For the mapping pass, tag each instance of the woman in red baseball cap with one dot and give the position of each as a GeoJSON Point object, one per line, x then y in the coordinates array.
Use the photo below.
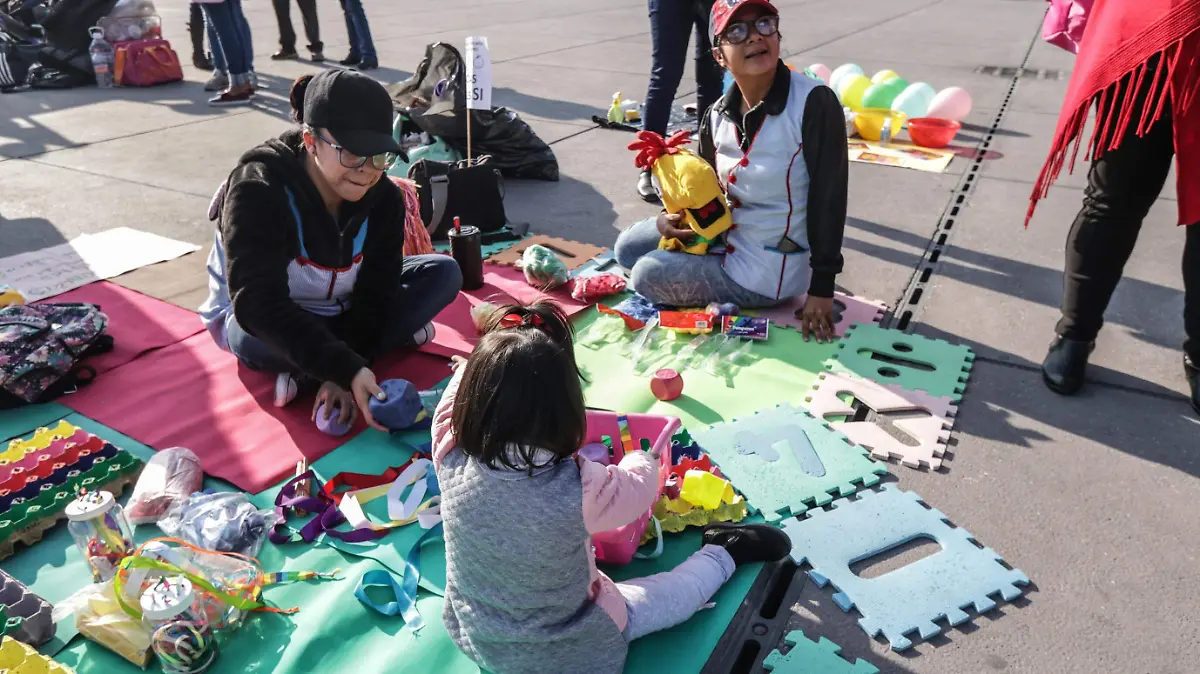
{"type": "Point", "coordinates": [777, 140]}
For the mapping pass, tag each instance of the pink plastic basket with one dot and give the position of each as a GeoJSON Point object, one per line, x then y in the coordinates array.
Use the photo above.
{"type": "Point", "coordinates": [617, 546]}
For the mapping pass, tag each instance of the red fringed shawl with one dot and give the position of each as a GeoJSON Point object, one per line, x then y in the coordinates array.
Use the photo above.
{"type": "Point", "coordinates": [1122, 36]}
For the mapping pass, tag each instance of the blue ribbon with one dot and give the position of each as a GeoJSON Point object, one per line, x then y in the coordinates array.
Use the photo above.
{"type": "Point", "coordinates": [405, 591]}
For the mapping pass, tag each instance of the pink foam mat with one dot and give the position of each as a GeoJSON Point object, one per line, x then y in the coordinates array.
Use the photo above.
{"type": "Point", "coordinates": [456, 330]}
{"type": "Point", "coordinates": [857, 310]}
{"type": "Point", "coordinates": [138, 323]}
{"type": "Point", "coordinates": [192, 394]}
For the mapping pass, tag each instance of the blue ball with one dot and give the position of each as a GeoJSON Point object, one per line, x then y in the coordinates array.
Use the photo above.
{"type": "Point", "coordinates": [402, 409]}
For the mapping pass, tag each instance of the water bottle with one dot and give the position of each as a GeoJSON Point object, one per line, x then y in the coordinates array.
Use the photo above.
{"type": "Point", "coordinates": [103, 58]}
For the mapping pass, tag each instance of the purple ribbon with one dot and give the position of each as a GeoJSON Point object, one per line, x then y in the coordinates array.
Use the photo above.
{"type": "Point", "coordinates": [327, 516]}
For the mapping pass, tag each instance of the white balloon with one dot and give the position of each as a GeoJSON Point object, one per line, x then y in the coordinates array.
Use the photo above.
{"type": "Point", "coordinates": [842, 71]}
{"type": "Point", "coordinates": [953, 103]}
{"type": "Point", "coordinates": [914, 100]}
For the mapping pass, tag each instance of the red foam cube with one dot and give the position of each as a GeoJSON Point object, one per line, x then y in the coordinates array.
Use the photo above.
{"type": "Point", "coordinates": [666, 384]}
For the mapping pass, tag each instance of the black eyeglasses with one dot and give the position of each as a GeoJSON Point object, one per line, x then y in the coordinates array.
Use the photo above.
{"type": "Point", "coordinates": [739, 31]}
{"type": "Point", "coordinates": [380, 162]}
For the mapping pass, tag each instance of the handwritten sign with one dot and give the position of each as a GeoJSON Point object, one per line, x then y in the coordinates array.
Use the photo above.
{"type": "Point", "coordinates": [479, 74]}
{"type": "Point", "coordinates": [92, 257]}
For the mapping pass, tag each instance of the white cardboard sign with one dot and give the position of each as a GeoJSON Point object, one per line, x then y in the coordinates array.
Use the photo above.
{"type": "Point", "coordinates": [479, 74]}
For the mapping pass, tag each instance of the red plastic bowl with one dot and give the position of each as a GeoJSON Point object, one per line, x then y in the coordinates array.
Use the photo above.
{"type": "Point", "coordinates": [932, 131]}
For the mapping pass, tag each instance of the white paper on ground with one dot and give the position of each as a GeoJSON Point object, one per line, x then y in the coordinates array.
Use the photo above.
{"type": "Point", "coordinates": [39, 274]}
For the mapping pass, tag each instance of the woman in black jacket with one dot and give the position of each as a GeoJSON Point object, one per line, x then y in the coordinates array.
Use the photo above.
{"type": "Point", "coordinates": [307, 277]}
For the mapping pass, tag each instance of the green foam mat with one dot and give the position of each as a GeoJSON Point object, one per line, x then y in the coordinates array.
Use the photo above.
{"type": "Point", "coordinates": [893, 357]}
{"type": "Point", "coordinates": [784, 461]}
{"type": "Point", "coordinates": [373, 452]}
{"type": "Point", "coordinates": [813, 657]}
{"type": "Point", "coordinates": [25, 420]}
{"type": "Point", "coordinates": [781, 369]}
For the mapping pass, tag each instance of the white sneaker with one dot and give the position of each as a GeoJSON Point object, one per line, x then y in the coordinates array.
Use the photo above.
{"type": "Point", "coordinates": [218, 82]}
{"type": "Point", "coordinates": [286, 389]}
{"type": "Point", "coordinates": [424, 335]}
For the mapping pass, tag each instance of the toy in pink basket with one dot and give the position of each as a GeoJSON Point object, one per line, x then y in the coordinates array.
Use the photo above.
{"type": "Point", "coordinates": [520, 505]}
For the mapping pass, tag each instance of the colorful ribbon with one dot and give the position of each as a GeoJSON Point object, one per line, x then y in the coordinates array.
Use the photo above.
{"type": "Point", "coordinates": [405, 591]}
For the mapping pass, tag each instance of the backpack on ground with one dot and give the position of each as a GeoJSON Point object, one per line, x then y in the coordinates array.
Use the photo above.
{"type": "Point", "coordinates": [41, 346]}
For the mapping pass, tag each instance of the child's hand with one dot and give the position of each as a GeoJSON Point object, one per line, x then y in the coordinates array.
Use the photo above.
{"type": "Point", "coordinates": [333, 396]}
{"type": "Point", "coordinates": [669, 226]}
{"type": "Point", "coordinates": [363, 389]}
{"type": "Point", "coordinates": [456, 362]}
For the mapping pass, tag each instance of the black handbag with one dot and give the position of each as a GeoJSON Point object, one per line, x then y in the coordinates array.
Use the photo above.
{"type": "Point", "coordinates": [471, 191]}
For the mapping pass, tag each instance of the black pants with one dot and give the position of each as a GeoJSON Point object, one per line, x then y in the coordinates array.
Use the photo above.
{"type": "Point", "coordinates": [196, 29]}
{"type": "Point", "coordinates": [1122, 186]}
{"type": "Point", "coordinates": [672, 23]}
{"type": "Point", "coordinates": [312, 30]}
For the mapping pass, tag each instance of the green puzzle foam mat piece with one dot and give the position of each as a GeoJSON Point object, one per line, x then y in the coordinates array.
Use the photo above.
{"type": "Point", "coordinates": [783, 460]}
{"type": "Point", "coordinates": [781, 369]}
{"type": "Point", "coordinates": [813, 657]}
{"type": "Point", "coordinates": [28, 418]}
{"type": "Point", "coordinates": [948, 365]}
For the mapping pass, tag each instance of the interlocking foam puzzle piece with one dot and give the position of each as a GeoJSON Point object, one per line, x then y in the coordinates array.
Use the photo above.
{"type": "Point", "coordinates": [912, 597]}
{"type": "Point", "coordinates": [574, 254]}
{"type": "Point", "coordinates": [783, 460]}
{"type": "Point", "coordinates": [940, 368]}
{"type": "Point", "coordinates": [848, 309]}
{"type": "Point", "coordinates": [930, 432]}
{"type": "Point", "coordinates": [813, 657]}
{"type": "Point", "coordinates": [18, 602]}
{"type": "Point", "coordinates": [18, 658]}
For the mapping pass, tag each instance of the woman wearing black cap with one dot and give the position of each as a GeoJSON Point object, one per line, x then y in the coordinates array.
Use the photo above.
{"type": "Point", "coordinates": [307, 277]}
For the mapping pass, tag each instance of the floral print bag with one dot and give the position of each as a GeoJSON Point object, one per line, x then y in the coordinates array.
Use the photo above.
{"type": "Point", "coordinates": [41, 346]}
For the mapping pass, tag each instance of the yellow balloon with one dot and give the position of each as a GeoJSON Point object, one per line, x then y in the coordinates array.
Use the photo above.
{"type": "Point", "coordinates": [852, 91]}
{"type": "Point", "coordinates": [883, 76]}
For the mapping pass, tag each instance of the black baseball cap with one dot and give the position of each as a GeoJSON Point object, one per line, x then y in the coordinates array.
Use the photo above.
{"type": "Point", "coordinates": [354, 108]}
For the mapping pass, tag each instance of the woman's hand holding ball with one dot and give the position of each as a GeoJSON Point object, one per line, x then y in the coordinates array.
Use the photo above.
{"type": "Point", "coordinates": [364, 387]}
{"type": "Point", "coordinates": [668, 226]}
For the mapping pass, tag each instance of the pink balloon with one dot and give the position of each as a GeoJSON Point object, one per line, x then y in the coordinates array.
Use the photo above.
{"type": "Point", "coordinates": [953, 103]}
{"type": "Point", "coordinates": [821, 70]}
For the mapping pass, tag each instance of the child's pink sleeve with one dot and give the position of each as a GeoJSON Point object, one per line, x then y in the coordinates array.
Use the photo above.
{"type": "Point", "coordinates": [614, 496]}
{"type": "Point", "coordinates": [443, 428]}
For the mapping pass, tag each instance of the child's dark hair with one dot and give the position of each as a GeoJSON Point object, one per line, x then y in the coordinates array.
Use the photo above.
{"type": "Point", "coordinates": [521, 388]}
{"type": "Point", "coordinates": [296, 97]}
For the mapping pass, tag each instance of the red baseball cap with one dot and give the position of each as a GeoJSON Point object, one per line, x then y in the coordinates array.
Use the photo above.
{"type": "Point", "coordinates": [723, 11]}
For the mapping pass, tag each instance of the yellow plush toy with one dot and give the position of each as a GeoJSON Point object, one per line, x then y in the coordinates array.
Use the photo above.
{"type": "Point", "coordinates": [686, 184]}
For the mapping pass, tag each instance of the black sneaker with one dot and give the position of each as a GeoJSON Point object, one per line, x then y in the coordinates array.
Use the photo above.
{"type": "Point", "coordinates": [645, 188]}
{"type": "Point", "coordinates": [749, 543]}
{"type": "Point", "coordinates": [202, 61]}
{"type": "Point", "coordinates": [318, 57]}
{"type": "Point", "coordinates": [1065, 365]}
{"type": "Point", "coordinates": [1192, 371]}
{"type": "Point", "coordinates": [285, 55]}
{"type": "Point", "coordinates": [351, 59]}
{"type": "Point", "coordinates": [367, 65]}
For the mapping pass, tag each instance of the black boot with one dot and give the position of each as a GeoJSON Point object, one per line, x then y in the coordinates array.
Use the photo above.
{"type": "Point", "coordinates": [1065, 364]}
{"type": "Point", "coordinates": [749, 543]}
{"type": "Point", "coordinates": [199, 58]}
{"type": "Point", "coordinates": [1192, 370]}
{"type": "Point", "coordinates": [352, 59]}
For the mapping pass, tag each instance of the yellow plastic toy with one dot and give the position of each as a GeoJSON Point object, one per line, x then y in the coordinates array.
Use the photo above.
{"type": "Point", "coordinates": [686, 184]}
{"type": "Point", "coordinates": [701, 488]}
{"type": "Point", "coordinates": [10, 296]}
{"type": "Point", "coordinates": [18, 658]}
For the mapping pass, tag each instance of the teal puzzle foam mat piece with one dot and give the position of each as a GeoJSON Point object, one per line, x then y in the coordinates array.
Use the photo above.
{"type": "Point", "coordinates": [489, 249]}
{"type": "Point", "coordinates": [783, 460]}
{"type": "Point", "coordinates": [28, 418]}
{"type": "Point", "coordinates": [813, 657]}
{"type": "Point", "coordinates": [917, 363]}
{"type": "Point", "coordinates": [912, 597]}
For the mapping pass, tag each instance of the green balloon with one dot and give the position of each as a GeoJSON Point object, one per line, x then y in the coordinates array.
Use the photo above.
{"type": "Point", "coordinates": [897, 82]}
{"type": "Point", "coordinates": [880, 95]}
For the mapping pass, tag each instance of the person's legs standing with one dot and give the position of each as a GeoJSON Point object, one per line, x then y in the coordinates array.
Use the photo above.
{"type": "Point", "coordinates": [223, 20]}
{"type": "Point", "coordinates": [196, 30]}
{"type": "Point", "coordinates": [670, 26]}
{"type": "Point", "coordinates": [428, 284]}
{"type": "Point", "coordinates": [355, 56]}
{"type": "Point", "coordinates": [709, 74]}
{"type": "Point", "coordinates": [1122, 186]}
{"type": "Point", "coordinates": [667, 599]}
{"type": "Point", "coordinates": [244, 38]}
{"type": "Point", "coordinates": [1191, 310]}
{"type": "Point", "coordinates": [360, 34]}
{"type": "Point", "coordinates": [312, 28]}
{"type": "Point", "coordinates": [287, 34]}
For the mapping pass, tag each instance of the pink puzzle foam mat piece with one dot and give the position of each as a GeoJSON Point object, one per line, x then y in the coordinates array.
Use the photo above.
{"type": "Point", "coordinates": [852, 310]}
{"type": "Point", "coordinates": [929, 432]}
{"type": "Point", "coordinates": [138, 323]}
{"type": "Point", "coordinates": [455, 330]}
{"type": "Point", "coordinates": [193, 394]}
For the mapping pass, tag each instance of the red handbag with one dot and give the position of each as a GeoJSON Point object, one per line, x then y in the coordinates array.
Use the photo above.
{"type": "Point", "coordinates": [145, 63]}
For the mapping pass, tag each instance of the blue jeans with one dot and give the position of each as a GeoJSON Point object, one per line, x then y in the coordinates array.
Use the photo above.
{"type": "Point", "coordinates": [229, 35]}
{"type": "Point", "coordinates": [678, 279]}
{"type": "Point", "coordinates": [428, 283]}
{"type": "Point", "coordinates": [671, 24]}
{"type": "Point", "coordinates": [358, 30]}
